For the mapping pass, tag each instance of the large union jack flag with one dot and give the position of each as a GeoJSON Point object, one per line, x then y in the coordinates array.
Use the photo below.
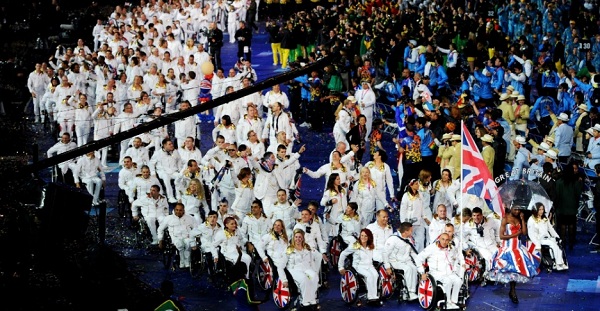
{"type": "Point", "coordinates": [266, 274]}
{"type": "Point", "coordinates": [425, 293]}
{"type": "Point", "coordinates": [477, 178]}
{"type": "Point", "coordinates": [387, 288]}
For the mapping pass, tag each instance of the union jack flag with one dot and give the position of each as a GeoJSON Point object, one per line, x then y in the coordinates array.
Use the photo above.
{"type": "Point", "coordinates": [348, 286]}
{"type": "Point", "coordinates": [281, 295]}
{"type": "Point", "coordinates": [267, 274]}
{"type": "Point", "coordinates": [477, 178]}
{"type": "Point", "coordinates": [425, 293]}
{"type": "Point", "coordinates": [386, 283]}
{"type": "Point", "coordinates": [335, 251]}
{"type": "Point", "coordinates": [473, 267]}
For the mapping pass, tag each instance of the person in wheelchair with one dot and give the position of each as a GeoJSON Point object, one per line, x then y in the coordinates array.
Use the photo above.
{"type": "Point", "coordinates": [273, 246]}
{"type": "Point", "coordinates": [445, 265]}
{"type": "Point", "coordinates": [207, 231]}
{"type": "Point", "coordinates": [142, 183]}
{"type": "Point", "coordinates": [362, 261]}
{"type": "Point", "coordinates": [542, 233]}
{"type": "Point", "coordinates": [438, 224]}
{"type": "Point", "coordinates": [154, 207]}
{"type": "Point", "coordinates": [88, 170]}
{"type": "Point", "coordinates": [194, 199]}
{"type": "Point", "coordinates": [254, 226]}
{"type": "Point", "coordinates": [312, 237]}
{"type": "Point", "coordinates": [126, 177]}
{"type": "Point", "coordinates": [350, 223]}
{"type": "Point", "coordinates": [381, 231]}
{"type": "Point", "coordinates": [401, 254]}
{"type": "Point", "coordinates": [230, 242]}
{"type": "Point", "coordinates": [483, 236]}
{"type": "Point", "coordinates": [298, 261]}
{"type": "Point", "coordinates": [180, 227]}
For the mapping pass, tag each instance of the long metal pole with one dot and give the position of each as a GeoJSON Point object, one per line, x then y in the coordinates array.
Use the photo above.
{"type": "Point", "coordinates": [170, 118]}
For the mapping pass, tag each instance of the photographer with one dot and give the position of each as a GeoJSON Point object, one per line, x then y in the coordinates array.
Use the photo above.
{"type": "Point", "coordinates": [215, 43]}
{"type": "Point", "coordinates": [244, 40]}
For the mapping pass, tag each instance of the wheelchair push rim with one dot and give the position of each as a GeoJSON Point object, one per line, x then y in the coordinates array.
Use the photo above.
{"type": "Point", "coordinates": [426, 293]}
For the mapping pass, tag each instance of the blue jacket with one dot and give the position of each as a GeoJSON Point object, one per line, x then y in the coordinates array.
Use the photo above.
{"type": "Point", "coordinates": [540, 104]}
{"type": "Point", "coordinates": [305, 87]}
{"type": "Point", "coordinates": [566, 103]}
{"type": "Point", "coordinates": [426, 140]}
{"type": "Point", "coordinates": [498, 79]}
{"type": "Point", "coordinates": [550, 79]}
{"type": "Point", "coordinates": [421, 64]}
{"type": "Point", "coordinates": [442, 77]}
{"type": "Point", "coordinates": [485, 88]}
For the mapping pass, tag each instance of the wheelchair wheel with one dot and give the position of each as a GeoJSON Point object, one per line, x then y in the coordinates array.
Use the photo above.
{"type": "Point", "coordinates": [475, 267]}
{"type": "Point", "coordinates": [335, 250]}
{"type": "Point", "coordinates": [281, 295]}
{"type": "Point", "coordinates": [197, 263]}
{"type": "Point", "coordinates": [123, 204]}
{"type": "Point", "coordinates": [427, 293]}
{"type": "Point", "coordinates": [264, 275]}
{"type": "Point", "coordinates": [385, 283]}
{"type": "Point", "coordinates": [349, 287]}
{"type": "Point", "coordinates": [400, 285]}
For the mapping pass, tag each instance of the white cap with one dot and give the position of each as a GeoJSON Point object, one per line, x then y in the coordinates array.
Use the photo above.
{"type": "Point", "coordinates": [563, 116]}
{"type": "Point", "coordinates": [520, 140]}
{"type": "Point", "coordinates": [551, 154]}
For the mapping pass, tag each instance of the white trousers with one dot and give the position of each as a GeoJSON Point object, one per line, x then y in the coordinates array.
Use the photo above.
{"type": "Point", "coordinates": [308, 283]}
{"type": "Point", "coordinates": [184, 247]}
{"type": "Point", "coordinates": [66, 126]}
{"type": "Point", "coordinates": [151, 221]}
{"type": "Point", "coordinates": [83, 134]}
{"type": "Point", "coordinates": [451, 284]}
{"type": "Point", "coordinates": [93, 185]}
{"type": "Point", "coordinates": [419, 236]}
{"type": "Point", "coordinates": [370, 277]}
{"type": "Point", "coordinates": [557, 252]}
{"type": "Point", "coordinates": [166, 178]}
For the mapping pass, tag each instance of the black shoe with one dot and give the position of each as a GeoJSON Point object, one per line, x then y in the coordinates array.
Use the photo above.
{"type": "Point", "coordinates": [513, 297]}
{"type": "Point", "coordinates": [375, 303]}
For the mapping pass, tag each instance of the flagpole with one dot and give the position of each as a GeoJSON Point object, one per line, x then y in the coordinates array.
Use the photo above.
{"type": "Point", "coordinates": [462, 159]}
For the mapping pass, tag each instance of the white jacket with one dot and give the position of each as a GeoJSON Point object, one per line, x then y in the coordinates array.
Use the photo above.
{"type": "Point", "coordinates": [150, 207]}
{"type": "Point", "coordinates": [179, 227]}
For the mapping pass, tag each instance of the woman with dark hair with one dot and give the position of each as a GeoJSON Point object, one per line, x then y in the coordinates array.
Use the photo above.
{"type": "Point", "coordinates": [541, 232]}
{"type": "Point", "coordinates": [375, 137]}
{"type": "Point", "coordinates": [568, 190]}
{"type": "Point", "coordinates": [413, 211]}
{"type": "Point", "coordinates": [382, 175]}
{"type": "Point", "coordinates": [244, 194]}
{"type": "Point", "coordinates": [362, 262]}
{"type": "Point", "coordinates": [230, 241]}
{"type": "Point", "coordinates": [357, 136]}
{"type": "Point", "coordinates": [440, 190]}
{"type": "Point", "coordinates": [225, 129]}
{"type": "Point", "coordinates": [350, 223]}
{"type": "Point", "coordinates": [505, 268]}
{"type": "Point", "coordinates": [334, 200]}
{"type": "Point", "coordinates": [335, 167]}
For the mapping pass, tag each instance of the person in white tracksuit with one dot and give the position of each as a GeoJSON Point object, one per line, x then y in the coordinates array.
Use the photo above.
{"type": "Point", "coordinates": [230, 240]}
{"type": "Point", "coordinates": [154, 207]}
{"type": "Point", "coordinates": [83, 118]}
{"type": "Point", "coordinates": [412, 210]}
{"type": "Point", "coordinates": [401, 254]}
{"type": "Point", "coordinates": [299, 263]}
{"type": "Point", "coordinates": [362, 262]}
{"type": "Point", "coordinates": [180, 226]}
{"type": "Point", "coordinates": [541, 232]}
{"type": "Point", "coordinates": [365, 98]}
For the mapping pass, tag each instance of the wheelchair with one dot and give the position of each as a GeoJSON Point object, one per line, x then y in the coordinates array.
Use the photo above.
{"type": "Point", "coordinates": [123, 205]}
{"type": "Point", "coordinates": [264, 273]}
{"type": "Point", "coordinates": [336, 247]}
{"type": "Point", "coordinates": [142, 235]}
{"type": "Point", "coordinates": [399, 285]}
{"type": "Point", "coordinates": [476, 267]}
{"type": "Point", "coordinates": [198, 259]}
{"type": "Point", "coordinates": [548, 259]}
{"type": "Point", "coordinates": [353, 287]}
{"type": "Point", "coordinates": [170, 253]}
{"type": "Point", "coordinates": [431, 294]}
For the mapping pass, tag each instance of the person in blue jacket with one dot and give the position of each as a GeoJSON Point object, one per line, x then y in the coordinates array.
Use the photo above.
{"type": "Point", "coordinates": [485, 87]}
{"type": "Point", "coordinates": [442, 77]}
{"type": "Point", "coordinates": [422, 61]}
{"type": "Point", "coordinates": [497, 74]}
{"type": "Point", "coordinates": [550, 79]}
{"type": "Point", "coordinates": [565, 99]}
{"type": "Point", "coordinates": [542, 107]}
{"type": "Point", "coordinates": [585, 88]}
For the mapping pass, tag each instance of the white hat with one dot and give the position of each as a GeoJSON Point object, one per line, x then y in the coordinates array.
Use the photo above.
{"type": "Point", "coordinates": [563, 117]}
{"type": "Point", "coordinates": [544, 146]}
{"type": "Point", "coordinates": [590, 131]}
{"type": "Point", "coordinates": [515, 94]}
{"type": "Point", "coordinates": [510, 87]}
{"type": "Point", "coordinates": [455, 137]}
{"type": "Point", "coordinates": [446, 136]}
{"type": "Point", "coordinates": [487, 138]}
{"type": "Point", "coordinates": [550, 139]}
{"type": "Point", "coordinates": [503, 97]}
{"type": "Point", "coordinates": [351, 99]}
{"type": "Point", "coordinates": [551, 154]}
{"type": "Point", "coordinates": [520, 140]}
{"type": "Point", "coordinates": [596, 127]}
{"type": "Point", "coordinates": [413, 42]}
{"type": "Point", "coordinates": [583, 107]}
{"type": "Point", "coordinates": [521, 97]}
